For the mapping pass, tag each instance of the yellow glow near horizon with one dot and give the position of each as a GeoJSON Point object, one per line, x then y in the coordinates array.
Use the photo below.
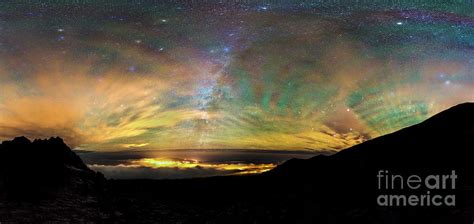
{"type": "Point", "coordinates": [240, 168]}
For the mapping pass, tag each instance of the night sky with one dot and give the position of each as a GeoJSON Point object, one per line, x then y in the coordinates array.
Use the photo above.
{"type": "Point", "coordinates": [178, 75]}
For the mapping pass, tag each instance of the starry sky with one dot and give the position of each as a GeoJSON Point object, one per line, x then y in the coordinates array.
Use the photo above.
{"type": "Point", "coordinates": [176, 75]}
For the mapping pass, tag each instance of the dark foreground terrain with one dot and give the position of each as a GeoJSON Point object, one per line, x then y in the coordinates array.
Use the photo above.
{"type": "Point", "coordinates": [341, 188]}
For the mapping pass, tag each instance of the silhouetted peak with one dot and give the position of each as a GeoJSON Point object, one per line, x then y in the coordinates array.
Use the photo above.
{"type": "Point", "coordinates": [43, 164]}
{"type": "Point", "coordinates": [21, 140]}
{"type": "Point", "coordinates": [51, 140]}
{"type": "Point", "coordinates": [461, 111]}
{"type": "Point", "coordinates": [56, 139]}
{"type": "Point", "coordinates": [41, 151]}
{"type": "Point", "coordinates": [440, 141]}
{"type": "Point", "coordinates": [459, 117]}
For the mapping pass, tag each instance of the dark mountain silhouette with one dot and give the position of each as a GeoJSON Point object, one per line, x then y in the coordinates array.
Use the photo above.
{"type": "Point", "coordinates": [44, 181]}
{"type": "Point", "coordinates": [42, 167]}
{"type": "Point", "coordinates": [340, 188]}
{"type": "Point", "coordinates": [348, 179]}
{"type": "Point", "coordinates": [443, 141]}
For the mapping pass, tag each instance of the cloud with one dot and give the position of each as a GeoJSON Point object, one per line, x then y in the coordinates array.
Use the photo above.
{"type": "Point", "coordinates": [162, 164]}
{"type": "Point", "coordinates": [124, 172]}
{"type": "Point", "coordinates": [63, 99]}
{"type": "Point", "coordinates": [166, 168]}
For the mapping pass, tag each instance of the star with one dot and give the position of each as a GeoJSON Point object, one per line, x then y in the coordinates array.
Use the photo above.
{"type": "Point", "coordinates": [132, 69]}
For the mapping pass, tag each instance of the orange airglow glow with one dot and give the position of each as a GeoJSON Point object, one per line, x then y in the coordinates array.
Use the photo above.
{"type": "Point", "coordinates": [240, 168]}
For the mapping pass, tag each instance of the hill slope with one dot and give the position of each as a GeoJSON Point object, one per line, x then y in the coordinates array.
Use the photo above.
{"type": "Point", "coordinates": [437, 146]}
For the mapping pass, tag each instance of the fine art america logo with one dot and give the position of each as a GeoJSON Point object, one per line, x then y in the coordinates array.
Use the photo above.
{"type": "Point", "coordinates": [435, 189]}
